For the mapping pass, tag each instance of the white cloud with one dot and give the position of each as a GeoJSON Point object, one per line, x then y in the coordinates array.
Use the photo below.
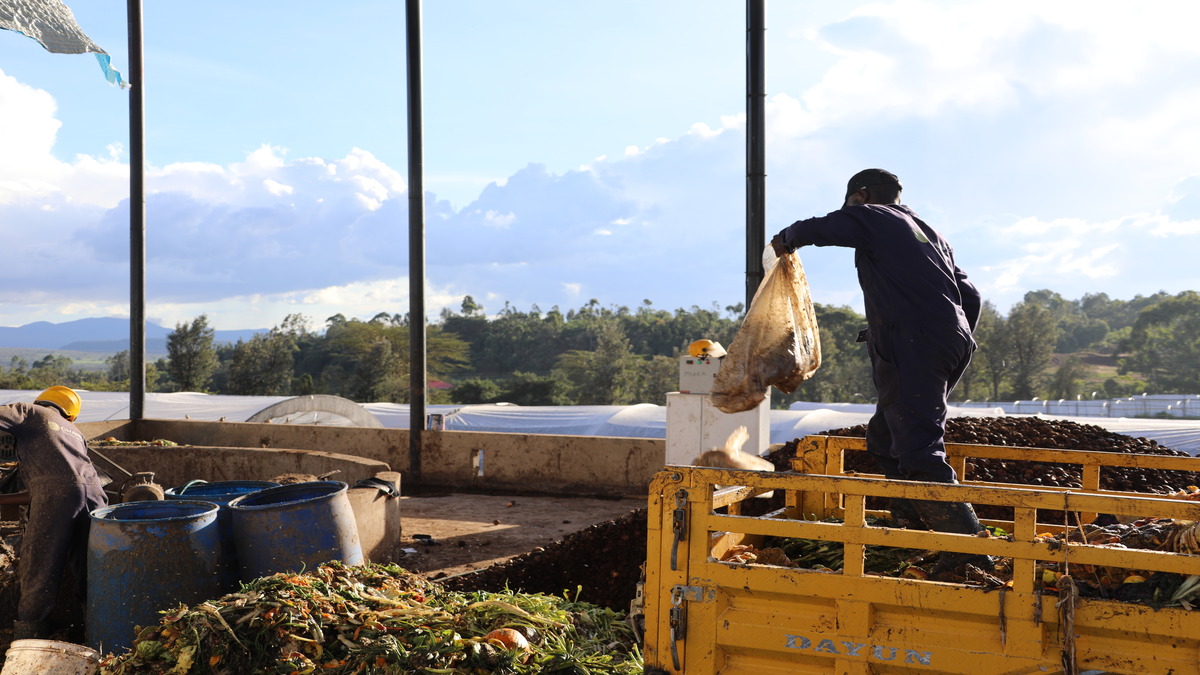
{"type": "Point", "coordinates": [1054, 143]}
{"type": "Point", "coordinates": [363, 299]}
{"type": "Point", "coordinates": [500, 220]}
{"type": "Point", "coordinates": [703, 130]}
{"type": "Point", "coordinates": [278, 189]}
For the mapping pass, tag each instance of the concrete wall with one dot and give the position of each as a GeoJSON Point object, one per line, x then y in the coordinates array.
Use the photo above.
{"type": "Point", "coordinates": [459, 459]}
{"type": "Point", "coordinates": [379, 519]}
{"type": "Point", "coordinates": [174, 466]}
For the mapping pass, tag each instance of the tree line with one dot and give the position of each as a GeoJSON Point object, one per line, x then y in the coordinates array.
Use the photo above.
{"type": "Point", "coordinates": [1045, 346]}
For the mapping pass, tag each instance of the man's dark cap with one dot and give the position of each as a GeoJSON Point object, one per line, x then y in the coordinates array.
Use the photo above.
{"type": "Point", "coordinates": [868, 178]}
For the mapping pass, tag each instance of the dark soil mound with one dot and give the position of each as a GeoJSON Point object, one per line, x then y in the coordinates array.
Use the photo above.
{"type": "Point", "coordinates": [603, 561]}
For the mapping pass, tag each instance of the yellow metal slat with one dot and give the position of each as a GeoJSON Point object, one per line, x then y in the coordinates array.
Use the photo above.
{"type": "Point", "coordinates": [766, 619]}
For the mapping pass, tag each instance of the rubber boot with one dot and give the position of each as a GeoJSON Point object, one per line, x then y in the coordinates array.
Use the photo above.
{"type": "Point", "coordinates": [30, 630]}
{"type": "Point", "coordinates": [959, 518]}
{"type": "Point", "coordinates": [904, 514]}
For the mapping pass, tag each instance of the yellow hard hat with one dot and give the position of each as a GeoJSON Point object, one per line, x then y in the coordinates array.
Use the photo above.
{"type": "Point", "coordinates": [706, 349]}
{"type": "Point", "coordinates": [64, 398]}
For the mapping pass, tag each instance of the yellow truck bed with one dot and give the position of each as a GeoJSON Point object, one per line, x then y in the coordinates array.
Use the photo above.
{"type": "Point", "coordinates": [705, 616]}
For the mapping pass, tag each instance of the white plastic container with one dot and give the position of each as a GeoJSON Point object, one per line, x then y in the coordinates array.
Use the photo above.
{"type": "Point", "coordinates": [49, 657]}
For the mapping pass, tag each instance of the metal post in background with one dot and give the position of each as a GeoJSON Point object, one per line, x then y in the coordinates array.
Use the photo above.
{"type": "Point", "coordinates": [137, 216]}
{"type": "Point", "coordinates": [416, 243]}
{"type": "Point", "coordinates": [756, 162]}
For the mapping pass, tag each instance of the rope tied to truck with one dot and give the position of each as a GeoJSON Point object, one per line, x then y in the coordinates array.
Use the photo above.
{"type": "Point", "coordinates": [1068, 599]}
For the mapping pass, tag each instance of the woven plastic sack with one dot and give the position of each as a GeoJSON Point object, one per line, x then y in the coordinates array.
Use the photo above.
{"type": "Point", "coordinates": [778, 343]}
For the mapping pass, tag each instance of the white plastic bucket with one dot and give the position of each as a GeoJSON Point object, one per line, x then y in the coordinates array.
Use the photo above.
{"type": "Point", "coordinates": [49, 657]}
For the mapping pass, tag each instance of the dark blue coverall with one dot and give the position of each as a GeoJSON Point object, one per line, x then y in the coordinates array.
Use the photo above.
{"type": "Point", "coordinates": [921, 311]}
{"type": "Point", "coordinates": [64, 488]}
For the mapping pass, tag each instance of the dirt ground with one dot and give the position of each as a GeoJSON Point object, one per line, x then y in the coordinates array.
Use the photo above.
{"type": "Point", "coordinates": [450, 533]}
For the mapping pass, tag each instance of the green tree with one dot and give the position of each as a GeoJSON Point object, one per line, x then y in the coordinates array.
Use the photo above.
{"type": "Point", "coordinates": [994, 356]}
{"type": "Point", "coordinates": [1065, 382]}
{"type": "Point", "coordinates": [656, 375]}
{"type": "Point", "coordinates": [191, 356]}
{"type": "Point", "coordinates": [471, 325]}
{"type": "Point", "coordinates": [1164, 345]}
{"type": "Point", "coordinates": [845, 372]}
{"type": "Point", "coordinates": [605, 376]}
{"type": "Point", "coordinates": [516, 340]}
{"type": "Point", "coordinates": [118, 366]}
{"type": "Point", "coordinates": [534, 389]}
{"type": "Point", "coordinates": [368, 360]}
{"type": "Point", "coordinates": [52, 369]}
{"type": "Point", "coordinates": [265, 365]}
{"type": "Point", "coordinates": [476, 390]}
{"type": "Point", "coordinates": [1033, 333]}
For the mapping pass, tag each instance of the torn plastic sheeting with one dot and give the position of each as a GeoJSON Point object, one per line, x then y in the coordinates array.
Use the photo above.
{"type": "Point", "coordinates": [52, 25]}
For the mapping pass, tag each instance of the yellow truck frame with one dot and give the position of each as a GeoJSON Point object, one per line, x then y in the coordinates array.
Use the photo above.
{"type": "Point", "coordinates": [705, 616]}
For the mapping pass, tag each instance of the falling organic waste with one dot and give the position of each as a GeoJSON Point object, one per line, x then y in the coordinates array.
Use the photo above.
{"type": "Point", "coordinates": [340, 619]}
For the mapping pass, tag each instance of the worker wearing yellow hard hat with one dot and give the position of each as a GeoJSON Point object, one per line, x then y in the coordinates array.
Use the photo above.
{"type": "Point", "coordinates": [63, 488]}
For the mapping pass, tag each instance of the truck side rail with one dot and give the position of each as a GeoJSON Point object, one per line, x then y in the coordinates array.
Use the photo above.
{"type": "Point", "coordinates": [818, 454]}
{"type": "Point", "coordinates": [708, 616]}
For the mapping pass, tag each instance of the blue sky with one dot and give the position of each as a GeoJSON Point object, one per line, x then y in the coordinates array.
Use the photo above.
{"type": "Point", "coordinates": [590, 150]}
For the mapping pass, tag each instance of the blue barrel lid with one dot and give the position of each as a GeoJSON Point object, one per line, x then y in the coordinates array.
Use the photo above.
{"type": "Point", "coordinates": [292, 493]}
{"type": "Point", "coordinates": [226, 488]}
{"type": "Point", "coordinates": [175, 509]}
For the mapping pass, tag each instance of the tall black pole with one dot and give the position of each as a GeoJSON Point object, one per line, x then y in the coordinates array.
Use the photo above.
{"type": "Point", "coordinates": [756, 153]}
{"type": "Point", "coordinates": [416, 242]}
{"type": "Point", "coordinates": [137, 217]}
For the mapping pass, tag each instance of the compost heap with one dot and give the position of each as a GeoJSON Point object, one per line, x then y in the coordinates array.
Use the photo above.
{"type": "Point", "coordinates": [342, 619]}
{"type": "Point", "coordinates": [1035, 432]}
{"type": "Point", "coordinates": [605, 559]}
{"type": "Point", "coordinates": [1157, 589]}
{"type": "Point", "coordinates": [602, 561]}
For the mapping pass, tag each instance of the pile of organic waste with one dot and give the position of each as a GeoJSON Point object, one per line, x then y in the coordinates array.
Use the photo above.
{"type": "Point", "coordinates": [828, 556]}
{"type": "Point", "coordinates": [605, 559]}
{"type": "Point", "coordinates": [1157, 589]}
{"type": "Point", "coordinates": [1035, 432]}
{"type": "Point", "coordinates": [374, 618]}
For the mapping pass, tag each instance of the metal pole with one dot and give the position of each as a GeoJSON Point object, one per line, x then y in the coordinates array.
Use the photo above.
{"type": "Point", "coordinates": [416, 243]}
{"type": "Point", "coordinates": [137, 217]}
{"type": "Point", "coordinates": [756, 155]}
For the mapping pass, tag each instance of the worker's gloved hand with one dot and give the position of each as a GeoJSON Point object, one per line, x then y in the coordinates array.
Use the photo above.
{"type": "Point", "coordinates": [778, 245]}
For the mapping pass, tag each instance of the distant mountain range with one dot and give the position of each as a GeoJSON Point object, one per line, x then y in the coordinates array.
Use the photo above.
{"type": "Point", "coordinates": [108, 335]}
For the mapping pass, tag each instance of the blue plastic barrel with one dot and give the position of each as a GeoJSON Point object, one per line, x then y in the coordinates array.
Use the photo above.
{"type": "Point", "coordinates": [145, 557]}
{"type": "Point", "coordinates": [294, 527]}
{"type": "Point", "coordinates": [221, 493]}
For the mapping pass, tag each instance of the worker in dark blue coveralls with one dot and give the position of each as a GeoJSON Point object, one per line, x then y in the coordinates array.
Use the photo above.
{"type": "Point", "coordinates": [921, 312]}
{"type": "Point", "coordinates": [63, 489]}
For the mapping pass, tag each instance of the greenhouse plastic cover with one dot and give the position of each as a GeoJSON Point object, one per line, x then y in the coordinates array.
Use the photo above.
{"type": "Point", "coordinates": [631, 421]}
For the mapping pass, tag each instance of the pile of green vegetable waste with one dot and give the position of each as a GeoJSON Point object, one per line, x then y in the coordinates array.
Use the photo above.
{"type": "Point", "coordinates": [341, 619]}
